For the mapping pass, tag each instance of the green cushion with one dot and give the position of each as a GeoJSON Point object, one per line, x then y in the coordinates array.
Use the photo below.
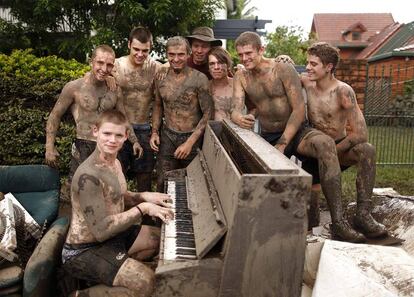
{"type": "Point", "coordinates": [41, 205]}
{"type": "Point", "coordinates": [40, 273]}
{"type": "Point", "coordinates": [10, 276]}
{"type": "Point", "coordinates": [28, 178]}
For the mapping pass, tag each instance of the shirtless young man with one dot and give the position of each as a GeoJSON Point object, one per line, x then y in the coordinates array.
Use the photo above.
{"type": "Point", "coordinates": [183, 99]}
{"type": "Point", "coordinates": [135, 75]}
{"type": "Point", "coordinates": [221, 86]}
{"type": "Point", "coordinates": [202, 41]}
{"type": "Point", "coordinates": [332, 106]}
{"type": "Point", "coordinates": [105, 242]}
{"type": "Point", "coordinates": [86, 98]}
{"type": "Point", "coordinates": [274, 91]}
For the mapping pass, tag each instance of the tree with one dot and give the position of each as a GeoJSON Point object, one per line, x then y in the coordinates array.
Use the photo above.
{"type": "Point", "coordinates": [241, 10]}
{"type": "Point", "coordinates": [72, 28]}
{"type": "Point", "coordinates": [287, 41]}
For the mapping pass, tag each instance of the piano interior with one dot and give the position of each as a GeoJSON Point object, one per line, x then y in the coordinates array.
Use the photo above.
{"type": "Point", "coordinates": [240, 226]}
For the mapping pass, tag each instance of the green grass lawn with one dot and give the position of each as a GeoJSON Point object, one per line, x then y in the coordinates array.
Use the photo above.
{"type": "Point", "coordinates": [400, 178]}
{"type": "Point", "coordinates": [395, 145]}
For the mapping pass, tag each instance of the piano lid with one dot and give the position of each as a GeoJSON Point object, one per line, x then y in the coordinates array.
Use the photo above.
{"type": "Point", "coordinates": [258, 149]}
{"type": "Point", "coordinates": [208, 220]}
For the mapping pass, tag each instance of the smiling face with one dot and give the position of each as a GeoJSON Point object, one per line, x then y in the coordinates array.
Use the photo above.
{"type": "Point", "coordinates": [110, 137]}
{"type": "Point", "coordinates": [200, 50]}
{"type": "Point", "coordinates": [138, 51]}
{"type": "Point", "coordinates": [177, 57]}
{"type": "Point", "coordinates": [315, 68]}
{"type": "Point", "coordinates": [249, 55]}
{"type": "Point", "coordinates": [102, 64]}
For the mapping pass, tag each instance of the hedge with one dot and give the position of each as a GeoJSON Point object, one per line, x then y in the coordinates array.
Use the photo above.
{"type": "Point", "coordinates": [29, 87]}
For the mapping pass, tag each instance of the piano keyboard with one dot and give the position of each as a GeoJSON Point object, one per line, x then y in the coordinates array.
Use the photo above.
{"type": "Point", "coordinates": [178, 238]}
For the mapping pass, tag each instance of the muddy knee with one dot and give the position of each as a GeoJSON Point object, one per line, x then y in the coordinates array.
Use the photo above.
{"type": "Point", "coordinates": [364, 151]}
{"type": "Point", "coordinates": [325, 146]}
{"type": "Point", "coordinates": [135, 276]}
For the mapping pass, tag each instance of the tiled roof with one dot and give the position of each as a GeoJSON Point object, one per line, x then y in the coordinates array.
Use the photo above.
{"type": "Point", "coordinates": [330, 26]}
{"type": "Point", "coordinates": [402, 38]}
{"type": "Point", "coordinates": [378, 40]}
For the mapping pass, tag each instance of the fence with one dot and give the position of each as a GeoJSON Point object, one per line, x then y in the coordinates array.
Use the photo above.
{"type": "Point", "coordinates": [389, 112]}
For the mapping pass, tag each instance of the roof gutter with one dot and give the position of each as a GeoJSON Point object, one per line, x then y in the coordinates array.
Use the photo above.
{"type": "Point", "coordinates": [389, 55]}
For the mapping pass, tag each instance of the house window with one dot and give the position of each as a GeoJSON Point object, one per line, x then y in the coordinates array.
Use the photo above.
{"type": "Point", "coordinates": [356, 35]}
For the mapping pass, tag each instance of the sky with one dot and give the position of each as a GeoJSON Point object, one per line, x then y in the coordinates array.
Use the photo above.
{"type": "Point", "coordinates": [300, 13]}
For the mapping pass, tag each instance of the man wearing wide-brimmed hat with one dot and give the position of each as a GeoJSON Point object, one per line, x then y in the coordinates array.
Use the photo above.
{"type": "Point", "coordinates": [201, 40]}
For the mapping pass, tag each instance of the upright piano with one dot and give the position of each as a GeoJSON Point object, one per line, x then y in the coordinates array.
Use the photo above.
{"type": "Point", "coordinates": [240, 226]}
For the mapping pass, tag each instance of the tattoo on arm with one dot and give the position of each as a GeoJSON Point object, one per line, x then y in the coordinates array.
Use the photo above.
{"type": "Point", "coordinates": [92, 204]}
{"type": "Point", "coordinates": [206, 104]}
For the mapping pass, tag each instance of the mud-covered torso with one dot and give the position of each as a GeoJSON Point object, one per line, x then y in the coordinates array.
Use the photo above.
{"type": "Point", "coordinates": [108, 199]}
{"type": "Point", "coordinates": [137, 86]}
{"type": "Point", "coordinates": [89, 102]}
{"type": "Point", "coordinates": [267, 92]}
{"type": "Point", "coordinates": [325, 111]}
{"type": "Point", "coordinates": [181, 96]}
{"type": "Point", "coordinates": [222, 96]}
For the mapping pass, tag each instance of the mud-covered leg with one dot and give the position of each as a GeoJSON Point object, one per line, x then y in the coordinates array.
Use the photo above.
{"type": "Point", "coordinates": [144, 181]}
{"type": "Point", "coordinates": [365, 181]}
{"type": "Point", "coordinates": [164, 164]}
{"type": "Point", "coordinates": [135, 276]}
{"type": "Point", "coordinates": [147, 243]}
{"type": "Point", "coordinates": [320, 146]}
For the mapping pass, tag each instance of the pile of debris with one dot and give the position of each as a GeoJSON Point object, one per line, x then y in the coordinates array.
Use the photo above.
{"type": "Point", "coordinates": [380, 268]}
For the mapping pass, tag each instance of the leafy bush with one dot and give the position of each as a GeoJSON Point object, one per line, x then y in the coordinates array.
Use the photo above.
{"type": "Point", "coordinates": [35, 82]}
{"type": "Point", "coordinates": [23, 137]}
{"type": "Point", "coordinates": [29, 87]}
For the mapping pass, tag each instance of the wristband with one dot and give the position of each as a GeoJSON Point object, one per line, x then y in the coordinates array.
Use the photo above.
{"type": "Point", "coordinates": [154, 131]}
{"type": "Point", "coordinates": [142, 214]}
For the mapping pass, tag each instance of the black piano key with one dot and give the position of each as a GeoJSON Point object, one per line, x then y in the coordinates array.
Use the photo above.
{"type": "Point", "coordinates": [185, 242]}
{"type": "Point", "coordinates": [185, 251]}
{"type": "Point", "coordinates": [185, 234]}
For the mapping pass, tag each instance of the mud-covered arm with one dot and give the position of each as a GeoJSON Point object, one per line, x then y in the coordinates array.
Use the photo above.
{"type": "Point", "coordinates": [91, 199]}
{"type": "Point", "coordinates": [133, 198]}
{"type": "Point", "coordinates": [293, 88]}
{"type": "Point", "coordinates": [357, 132]}
{"type": "Point", "coordinates": [121, 107]}
{"type": "Point", "coordinates": [206, 105]}
{"type": "Point", "coordinates": [156, 119]}
{"type": "Point", "coordinates": [65, 100]}
{"type": "Point", "coordinates": [238, 103]}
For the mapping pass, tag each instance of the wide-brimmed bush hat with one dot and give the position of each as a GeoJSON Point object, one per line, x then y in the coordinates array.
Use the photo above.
{"type": "Point", "coordinates": [204, 34]}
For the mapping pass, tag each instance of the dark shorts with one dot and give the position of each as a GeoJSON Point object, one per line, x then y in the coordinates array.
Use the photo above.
{"type": "Point", "coordinates": [291, 148]}
{"type": "Point", "coordinates": [171, 140]}
{"type": "Point", "coordinates": [131, 165]}
{"type": "Point", "coordinates": [81, 150]}
{"type": "Point", "coordinates": [99, 262]}
{"type": "Point", "coordinates": [310, 165]}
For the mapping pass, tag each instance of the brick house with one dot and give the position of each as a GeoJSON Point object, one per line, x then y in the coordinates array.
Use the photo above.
{"type": "Point", "coordinates": [377, 54]}
{"type": "Point", "coordinates": [350, 32]}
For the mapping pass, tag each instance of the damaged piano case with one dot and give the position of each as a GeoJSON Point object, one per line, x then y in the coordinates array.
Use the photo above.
{"type": "Point", "coordinates": [208, 219]}
{"type": "Point", "coordinates": [242, 190]}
